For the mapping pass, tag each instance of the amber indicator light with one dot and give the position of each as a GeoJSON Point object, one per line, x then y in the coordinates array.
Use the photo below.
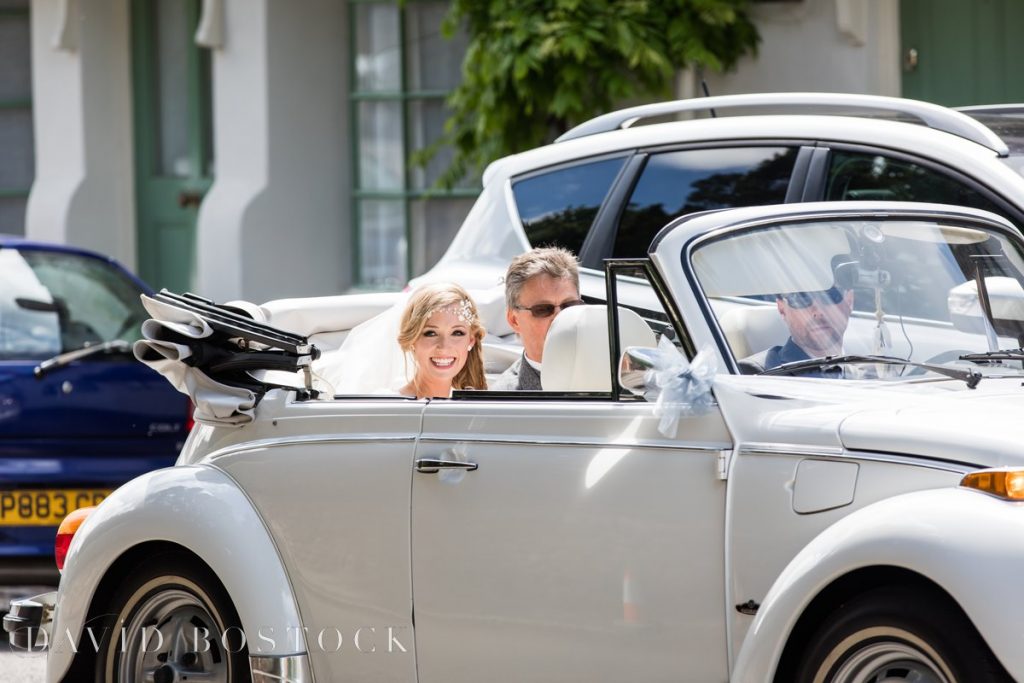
{"type": "Point", "coordinates": [1007, 483]}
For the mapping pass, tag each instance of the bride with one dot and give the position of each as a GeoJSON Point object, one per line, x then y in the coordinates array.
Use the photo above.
{"type": "Point", "coordinates": [427, 343]}
{"type": "Point", "coordinates": [440, 330]}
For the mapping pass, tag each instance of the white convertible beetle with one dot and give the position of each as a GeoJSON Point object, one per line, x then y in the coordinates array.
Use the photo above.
{"type": "Point", "coordinates": [847, 519]}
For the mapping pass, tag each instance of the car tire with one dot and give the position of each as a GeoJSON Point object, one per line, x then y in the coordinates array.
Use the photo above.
{"type": "Point", "coordinates": [176, 597]}
{"type": "Point", "coordinates": [895, 634]}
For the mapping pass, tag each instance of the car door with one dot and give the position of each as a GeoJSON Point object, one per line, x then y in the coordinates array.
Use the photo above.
{"type": "Point", "coordinates": [331, 478]}
{"type": "Point", "coordinates": [582, 545]}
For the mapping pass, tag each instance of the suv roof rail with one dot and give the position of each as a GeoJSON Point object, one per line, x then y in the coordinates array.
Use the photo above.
{"type": "Point", "coordinates": [932, 115]}
{"type": "Point", "coordinates": [992, 109]}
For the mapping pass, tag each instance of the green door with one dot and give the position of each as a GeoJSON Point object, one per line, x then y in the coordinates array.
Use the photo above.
{"type": "Point", "coordinates": [960, 52]}
{"type": "Point", "coordinates": [173, 146]}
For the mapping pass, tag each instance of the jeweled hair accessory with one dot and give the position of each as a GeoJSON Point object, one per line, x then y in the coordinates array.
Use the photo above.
{"type": "Point", "coordinates": [462, 310]}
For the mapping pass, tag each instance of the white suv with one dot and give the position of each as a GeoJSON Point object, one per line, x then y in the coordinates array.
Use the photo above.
{"type": "Point", "coordinates": [606, 188]}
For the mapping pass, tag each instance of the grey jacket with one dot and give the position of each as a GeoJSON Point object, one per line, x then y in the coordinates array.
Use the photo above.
{"type": "Point", "coordinates": [520, 376]}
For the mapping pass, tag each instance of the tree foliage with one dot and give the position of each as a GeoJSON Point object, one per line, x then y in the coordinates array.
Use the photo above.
{"type": "Point", "coordinates": [535, 68]}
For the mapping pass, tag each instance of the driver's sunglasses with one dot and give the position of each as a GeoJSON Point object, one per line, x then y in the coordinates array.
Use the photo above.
{"type": "Point", "coordinates": [548, 310]}
{"type": "Point", "coordinates": [832, 295]}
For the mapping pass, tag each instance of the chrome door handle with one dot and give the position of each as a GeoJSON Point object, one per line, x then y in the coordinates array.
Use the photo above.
{"type": "Point", "coordinates": [431, 465]}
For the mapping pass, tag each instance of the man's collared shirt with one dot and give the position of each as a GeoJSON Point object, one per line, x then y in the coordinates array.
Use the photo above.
{"type": "Point", "coordinates": [789, 352]}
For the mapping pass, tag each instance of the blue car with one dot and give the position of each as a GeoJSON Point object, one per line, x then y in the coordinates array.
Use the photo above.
{"type": "Point", "coordinates": [78, 414]}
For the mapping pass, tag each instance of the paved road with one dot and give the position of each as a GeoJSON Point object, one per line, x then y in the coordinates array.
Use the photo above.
{"type": "Point", "coordinates": [18, 666]}
{"type": "Point", "coordinates": [21, 667]}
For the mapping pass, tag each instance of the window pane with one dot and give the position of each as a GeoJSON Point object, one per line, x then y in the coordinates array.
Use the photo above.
{"type": "Point", "coordinates": [432, 61]}
{"type": "Point", "coordinates": [12, 215]}
{"type": "Point", "coordinates": [172, 36]}
{"type": "Point", "coordinates": [383, 245]}
{"type": "Point", "coordinates": [557, 208]}
{"type": "Point", "coordinates": [17, 169]}
{"type": "Point", "coordinates": [434, 224]}
{"type": "Point", "coordinates": [426, 124]}
{"type": "Point", "coordinates": [377, 54]}
{"type": "Point", "coordinates": [381, 159]}
{"type": "Point", "coordinates": [15, 55]}
{"type": "Point", "coordinates": [857, 175]}
{"type": "Point", "coordinates": [205, 133]}
{"type": "Point", "coordinates": [643, 300]}
{"type": "Point", "coordinates": [678, 183]}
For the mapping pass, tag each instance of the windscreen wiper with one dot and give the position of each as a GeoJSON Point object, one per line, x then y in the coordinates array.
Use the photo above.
{"type": "Point", "coordinates": [63, 359]}
{"type": "Point", "coordinates": [1001, 354]}
{"type": "Point", "coordinates": [823, 363]}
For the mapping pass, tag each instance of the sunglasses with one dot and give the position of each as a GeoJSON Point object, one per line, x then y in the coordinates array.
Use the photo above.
{"type": "Point", "coordinates": [548, 310]}
{"type": "Point", "coordinates": [832, 295]}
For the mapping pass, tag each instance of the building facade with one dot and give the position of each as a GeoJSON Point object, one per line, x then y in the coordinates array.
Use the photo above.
{"type": "Point", "coordinates": [260, 149]}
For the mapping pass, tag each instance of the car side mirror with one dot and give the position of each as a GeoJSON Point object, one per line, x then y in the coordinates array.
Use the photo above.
{"type": "Point", "coordinates": [665, 377]}
{"type": "Point", "coordinates": [55, 306]}
{"type": "Point", "coordinates": [634, 364]}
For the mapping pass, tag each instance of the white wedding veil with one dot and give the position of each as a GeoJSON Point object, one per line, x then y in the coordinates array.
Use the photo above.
{"type": "Point", "coordinates": [370, 361]}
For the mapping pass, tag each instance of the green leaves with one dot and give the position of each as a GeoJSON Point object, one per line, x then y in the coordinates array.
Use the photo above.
{"type": "Point", "coordinates": [535, 68]}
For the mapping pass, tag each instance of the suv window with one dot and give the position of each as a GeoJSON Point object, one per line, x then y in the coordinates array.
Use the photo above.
{"type": "Point", "coordinates": [676, 183]}
{"type": "Point", "coordinates": [866, 176]}
{"type": "Point", "coordinates": [557, 208]}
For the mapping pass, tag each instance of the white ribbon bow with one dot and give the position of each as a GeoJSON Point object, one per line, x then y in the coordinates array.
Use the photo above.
{"type": "Point", "coordinates": [678, 387]}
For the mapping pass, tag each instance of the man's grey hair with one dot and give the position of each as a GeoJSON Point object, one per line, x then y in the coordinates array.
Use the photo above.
{"type": "Point", "coordinates": [555, 262]}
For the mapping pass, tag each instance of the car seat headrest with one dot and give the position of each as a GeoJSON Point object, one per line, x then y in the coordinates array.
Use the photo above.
{"type": "Point", "coordinates": [576, 348]}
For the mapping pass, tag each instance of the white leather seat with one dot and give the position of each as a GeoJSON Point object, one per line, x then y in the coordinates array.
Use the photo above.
{"type": "Point", "coordinates": [751, 329]}
{"type": "Point", "coordinates": [576, 348]}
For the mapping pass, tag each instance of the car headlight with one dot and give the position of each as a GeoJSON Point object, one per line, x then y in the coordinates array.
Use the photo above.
{"type": "Point", "coordinates": [1006, 483]}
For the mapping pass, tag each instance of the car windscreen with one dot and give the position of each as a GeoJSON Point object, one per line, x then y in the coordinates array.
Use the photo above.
{"type": "Point", "coordinates": [52, 302]}
{"type": "Point", "coordinates": [904, 288]}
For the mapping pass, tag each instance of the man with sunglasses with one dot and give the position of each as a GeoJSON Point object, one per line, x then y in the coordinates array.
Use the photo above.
{"type": "Point", "coordinates": [817, 322]}
{"type": "Point", "coordinates": [538, 285]}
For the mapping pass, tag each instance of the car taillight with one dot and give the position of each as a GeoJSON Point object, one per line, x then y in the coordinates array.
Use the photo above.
{"type": "Point", "coordinates": [66, 531]}
{"type": "Point", "coordinates": [190, 421]}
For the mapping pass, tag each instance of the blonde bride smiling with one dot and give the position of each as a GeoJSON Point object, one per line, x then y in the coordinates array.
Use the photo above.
{"type": "Point", "coordinates": [440, 329]}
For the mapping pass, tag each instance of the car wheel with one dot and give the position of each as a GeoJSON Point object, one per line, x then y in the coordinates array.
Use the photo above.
{"type": "Point", "coordinates": [899, 634]}
{"type": "Point", "coordinates": [172, 621]}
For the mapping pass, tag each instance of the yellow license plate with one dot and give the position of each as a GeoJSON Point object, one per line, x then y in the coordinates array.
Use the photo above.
{"type": "Point", "coordinates": [45, 507]}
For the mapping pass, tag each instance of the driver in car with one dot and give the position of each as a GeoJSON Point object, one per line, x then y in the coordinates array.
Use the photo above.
{"type": "Point", "coordinates": [817, 322]}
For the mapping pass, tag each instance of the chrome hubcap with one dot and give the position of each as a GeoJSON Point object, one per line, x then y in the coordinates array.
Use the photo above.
{"type": "Point", "coordinates": [171, 638]}
{"type": "Point", "coordinates": [890, 663]}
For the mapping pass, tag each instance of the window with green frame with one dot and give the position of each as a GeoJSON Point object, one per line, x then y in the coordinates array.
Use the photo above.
{"type": "Point", "coordinates": [402, 69]}
{"type": "Point", "coordinates": [17, 163]}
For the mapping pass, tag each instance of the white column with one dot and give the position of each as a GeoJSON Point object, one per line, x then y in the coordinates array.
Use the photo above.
{"type": "Point", "coordinates": [276, 221]}
{"type": "Point", "coordinates": [84, 190]}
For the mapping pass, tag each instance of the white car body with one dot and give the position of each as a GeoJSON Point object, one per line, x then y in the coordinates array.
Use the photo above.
{"type": "Point", "coordinates": [587, 544]}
